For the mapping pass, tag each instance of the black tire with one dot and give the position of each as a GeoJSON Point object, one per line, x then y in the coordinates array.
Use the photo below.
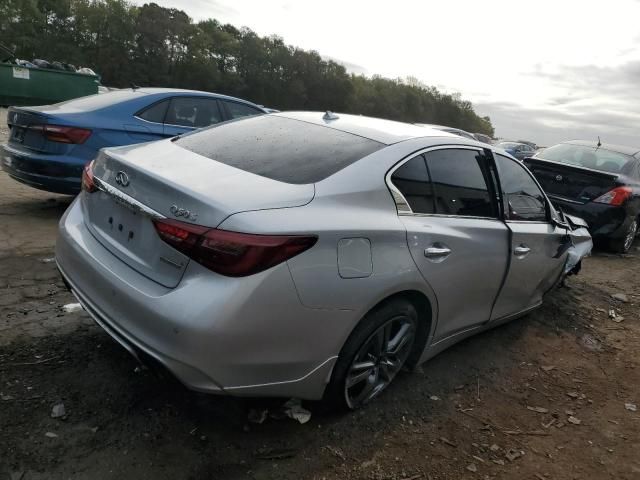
{"type": "Point", "coordinates": [623, 245]}
{"type": "Point", "coordinates": [392, 315]}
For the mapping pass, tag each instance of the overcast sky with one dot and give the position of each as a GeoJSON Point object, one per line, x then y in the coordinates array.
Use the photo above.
{"type": "Point", "coordinates": [551, 71]}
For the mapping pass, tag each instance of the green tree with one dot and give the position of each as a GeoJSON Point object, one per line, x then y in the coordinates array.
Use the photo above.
{"type": "Point", "coordinates": [155, 46]}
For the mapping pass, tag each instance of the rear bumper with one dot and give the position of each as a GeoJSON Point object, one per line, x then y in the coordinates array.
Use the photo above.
{"type": "Point", "coordinates": [52, 173]}
{"type": "Point", "coordinates": [605, 221]}
{"type": "Point", "coordinates": [247, 337]}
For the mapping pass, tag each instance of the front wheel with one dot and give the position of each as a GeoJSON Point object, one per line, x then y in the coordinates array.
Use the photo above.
{"type": "Point", "coordinates": [375, 352]}
{"type": "Point", "coordinates": [623, 245]}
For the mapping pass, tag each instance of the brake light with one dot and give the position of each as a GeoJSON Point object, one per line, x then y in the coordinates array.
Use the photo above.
{"type": "Point", "coordinates": [616, 197]}
{"type": "Point", "coordinates": [62, 134]}
{"type": "Point", "coordinates": [233, 254]}
{"type": "Point", "coordinates": [88, 185]}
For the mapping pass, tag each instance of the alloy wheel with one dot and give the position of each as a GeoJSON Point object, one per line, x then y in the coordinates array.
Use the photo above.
{"type": "Point", "coordinates": [631, 235]}
{"type": "Point", "coordinates": [379, 360]}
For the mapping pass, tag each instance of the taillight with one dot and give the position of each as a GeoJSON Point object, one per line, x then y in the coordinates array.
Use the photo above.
{"type": "Point", "coordinates": [88, 185]}
{"type": "Point", "coordinates": [62, 134]}
{"type": "Point", "coordinates": [232, 254]}
{"type": "Point", "coordinates": [616, 197]}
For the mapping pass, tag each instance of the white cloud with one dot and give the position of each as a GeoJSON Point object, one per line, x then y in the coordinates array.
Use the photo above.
{"type": "Point", "coordinates": [493, 52]}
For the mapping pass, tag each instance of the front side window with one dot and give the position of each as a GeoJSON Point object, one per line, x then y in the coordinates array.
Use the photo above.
{"type": "Point", "coordinates": [459, 183]}
{"type": "Point", "coordinates": [193, 112]}
{"type": "Point", "coordinates": [239, 110]}
{"type": "Point", "coordinates": [524, 199]}
{"type": "Point", "coordinates": [412, 180]}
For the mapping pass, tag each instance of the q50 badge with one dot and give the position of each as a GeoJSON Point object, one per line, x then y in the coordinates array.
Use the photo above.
{"type": "Point", "coordinates": [182, 212]}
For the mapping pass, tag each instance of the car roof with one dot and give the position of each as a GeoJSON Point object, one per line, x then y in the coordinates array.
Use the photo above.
{"type": "Point", "coordinates": [377, 129]}
{"type": "Point", "coordinates": [182, 91]}
{"type": "Point", "coordinates": [606, 146]}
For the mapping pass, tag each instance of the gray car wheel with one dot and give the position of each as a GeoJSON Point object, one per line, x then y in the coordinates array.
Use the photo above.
{"type": "Point", "coordinates": [374, 354]}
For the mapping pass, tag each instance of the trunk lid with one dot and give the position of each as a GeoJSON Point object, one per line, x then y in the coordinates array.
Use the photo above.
{"type": "Point", "coordinates": [22, 134]}
{"type": "Point", "coordinates": [160, 178]}
{"type": "Point", "coordinates": [570, 182]}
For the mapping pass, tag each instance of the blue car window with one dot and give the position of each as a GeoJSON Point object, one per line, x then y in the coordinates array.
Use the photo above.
{"type": "Point", "coordinates": [194, 112]}
{"type": "Point", "coordinates": [155, 113]}
{"type": "Point", "coordinates": [238, 110]}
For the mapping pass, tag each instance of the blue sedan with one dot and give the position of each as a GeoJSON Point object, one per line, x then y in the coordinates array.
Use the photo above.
{"type": "Point", "coordinates": [49, 145]}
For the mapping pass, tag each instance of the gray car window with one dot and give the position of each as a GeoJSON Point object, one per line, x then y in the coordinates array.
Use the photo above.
{"type": "Point", "coordinates": [524, 199]}
{"type": "Point", "coordinates": [459, 183]}
{"type": "Point", "coordinates": [280, 148]}
{"type": "Point", "coordinates": [195, 112]}
{"type": "Point", "coordinates": [412, 179]}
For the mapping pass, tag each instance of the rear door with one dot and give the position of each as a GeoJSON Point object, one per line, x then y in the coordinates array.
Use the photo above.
{"type": "Point", "coordinates": [188, 113]}
{"type": "Point", "coordinates": [454, 232]}
{"type": "Point", "coordinates": [534, 243]}
{"type": "Point", "coordinates": [150, 122]}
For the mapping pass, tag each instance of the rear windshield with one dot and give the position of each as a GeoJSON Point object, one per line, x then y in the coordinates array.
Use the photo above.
{"type": "Point", "coordinates": [99, 100]}
{"type": "Point", "coordinates": [505, 145]}
{"type": "Point", "coordinates": [280, 148]}
{"type": "Point", "coordinates": [588, 157]}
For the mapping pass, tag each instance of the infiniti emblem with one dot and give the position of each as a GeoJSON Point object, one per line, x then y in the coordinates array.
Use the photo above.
{"type": "Point", "coordinates": [122, 178]}
{"type": "Point", "coordinates": [559, 178]}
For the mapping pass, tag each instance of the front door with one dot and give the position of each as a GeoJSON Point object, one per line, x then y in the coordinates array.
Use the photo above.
{"type": "Point", "coordinates": [535, 241]}
{"type": "Point", "coordinates": [454, 232]}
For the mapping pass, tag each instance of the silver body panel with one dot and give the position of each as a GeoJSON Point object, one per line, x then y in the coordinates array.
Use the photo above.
{"type": "Point", "coordinates": [279, 332]}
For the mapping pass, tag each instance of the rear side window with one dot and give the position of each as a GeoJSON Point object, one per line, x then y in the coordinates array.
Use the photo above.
{"type": "Point", "coordinates": [412, 179]}
{"type": "Point", "coordinates": [238, 110]}
{"type": "Point", "coordinates": [155, 113]}
{"type": "Point", "coordinates": [524, 199]}
{"type": "Point", "coordinates": [280, 148]}
{"type": "Point", "coordinates": [459, 183]}
{"type": "Point", "coordinates": [193, 112]}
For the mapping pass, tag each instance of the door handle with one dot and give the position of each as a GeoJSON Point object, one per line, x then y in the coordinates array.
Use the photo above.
{"type": "Point", "coordinates": [521, 250]}
{"type": "Point", "coordinates": [436, 252]}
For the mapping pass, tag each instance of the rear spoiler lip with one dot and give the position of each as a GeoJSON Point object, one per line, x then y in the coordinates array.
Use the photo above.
{"type": "Point", "coordinates": [27, 110]}
{"type": "Point", "coordinates": [542, 161]}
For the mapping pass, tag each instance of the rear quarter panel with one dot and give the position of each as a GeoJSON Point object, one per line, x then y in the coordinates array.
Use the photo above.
{"type": "Point", "coordinates": [353, 203]}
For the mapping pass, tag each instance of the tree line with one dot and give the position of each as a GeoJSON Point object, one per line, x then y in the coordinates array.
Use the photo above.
{"type": "Point", "coordinates": [163, 47]}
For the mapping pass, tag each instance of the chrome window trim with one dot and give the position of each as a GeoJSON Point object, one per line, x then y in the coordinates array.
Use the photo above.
{"type": "Point", "coordinates": [402, 206]}
{"type": "Point", "coordinates": [147, 121]}
{"type": "Point", "coordinates": [126, 200]}
{"type": "Point", "coordinates": [443, 215]}
{"type": "Point", "coordinates": [528, 221]}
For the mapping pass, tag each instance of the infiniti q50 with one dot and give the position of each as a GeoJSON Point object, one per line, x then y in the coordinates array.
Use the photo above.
{"type": "Point", "coordinates": [309, 255]}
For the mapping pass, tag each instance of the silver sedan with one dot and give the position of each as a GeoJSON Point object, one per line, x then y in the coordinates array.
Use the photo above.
{"type": "Point", "coordinates": [309, 255]}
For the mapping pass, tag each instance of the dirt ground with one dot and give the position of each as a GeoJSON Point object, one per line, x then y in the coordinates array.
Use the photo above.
{"type": "Point", "coordinates": [541, 398]}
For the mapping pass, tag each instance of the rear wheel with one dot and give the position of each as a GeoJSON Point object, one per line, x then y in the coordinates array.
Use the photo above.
{"type": "Point", "coordinates": [623, 245]}
{"type": "Point", "coordinates": [374, 354]}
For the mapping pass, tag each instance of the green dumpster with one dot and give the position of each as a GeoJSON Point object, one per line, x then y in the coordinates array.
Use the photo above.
{"type": "Point", "coordinates": [40, 86]}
